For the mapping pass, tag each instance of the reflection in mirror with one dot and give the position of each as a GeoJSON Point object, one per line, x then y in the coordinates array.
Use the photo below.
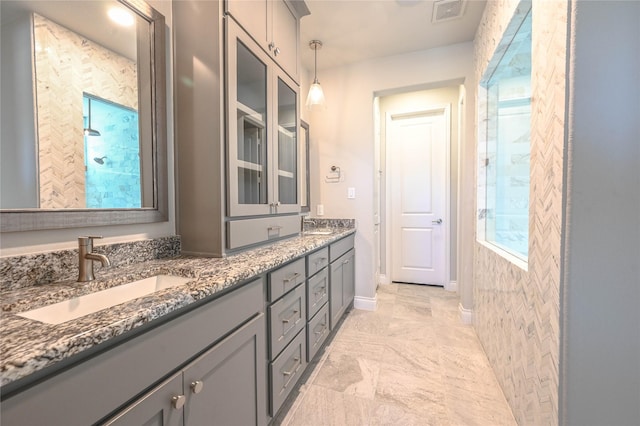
{"type": "Point", "coordinates": [83, 114]}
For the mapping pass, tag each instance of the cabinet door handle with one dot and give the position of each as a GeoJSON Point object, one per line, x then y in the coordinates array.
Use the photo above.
{"type": "Point", "coordinates": [292, 370]}
{"type": "Point", "coordinates": [292, 317]}
{"type": "Point", "coordinates": [277, 51]}
{"type": "Point", "coordinates": [346, 261]}
{"type": "Point", "coordinates": [291, 278]}
{"type": "Point", "coordinates": [196, 387]}
{"type": "Point", "coordinates": [178, 401]}
{"type": "Point", "coordinates": [271, 46]}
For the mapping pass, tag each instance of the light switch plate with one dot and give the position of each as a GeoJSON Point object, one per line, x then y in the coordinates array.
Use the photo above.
{"type": "Point", "coordinates": [351, 193]}
{"type": "Point", "coordinates": [320, 210]}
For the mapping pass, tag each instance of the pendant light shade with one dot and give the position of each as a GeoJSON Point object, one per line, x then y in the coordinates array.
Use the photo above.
{"type": "Point", "coordinates": [316, 95]}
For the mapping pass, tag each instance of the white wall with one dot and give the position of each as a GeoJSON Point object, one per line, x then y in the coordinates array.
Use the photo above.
{"type": "Point", "coordinates": [343, 134]}
{"type": "Point", "coordinates": [600, 346]}
{"type": "Point", "coordinates": [16, 243]}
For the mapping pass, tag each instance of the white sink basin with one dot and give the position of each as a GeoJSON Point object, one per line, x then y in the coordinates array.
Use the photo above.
{"type": "Point", "coordinates": [84, 305]}
{"type": "Point", "coordinates": [319, 231]}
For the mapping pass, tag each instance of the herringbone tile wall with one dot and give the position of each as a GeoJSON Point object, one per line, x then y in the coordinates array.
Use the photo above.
{"type": "Point", "coordinates": [516, 311]}
{"type": "Point", "coordinates": [66, 65]}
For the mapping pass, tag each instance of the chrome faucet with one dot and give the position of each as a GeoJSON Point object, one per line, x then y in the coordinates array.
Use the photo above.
{"type": "Point", "coordinates": [86, 256]}
{"type": "Point", "coordinates": [309, 222]}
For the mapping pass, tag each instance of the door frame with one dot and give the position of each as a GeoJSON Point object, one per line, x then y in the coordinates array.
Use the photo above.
{"type": "Point", "coordinates": [445, 109]}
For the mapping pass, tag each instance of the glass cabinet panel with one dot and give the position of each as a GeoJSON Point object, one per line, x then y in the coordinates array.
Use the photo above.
{"type": "Point", "coordinates": [287, 145]}
{"type": "Point", "coordinates": [262, 131]}
{"type": "Point", "coordinates": [252, 159]}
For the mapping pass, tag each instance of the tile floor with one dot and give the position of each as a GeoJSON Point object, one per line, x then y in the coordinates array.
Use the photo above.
{"type": "Point", "coordinates": [411, 362]}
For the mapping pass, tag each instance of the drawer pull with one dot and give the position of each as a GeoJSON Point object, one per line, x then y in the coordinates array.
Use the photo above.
{"type": "Point", "coordinates": [292, 317]}
{"type": "Point", "coordinates": [178, 401]}
{"type": "Point", "coordinates": [196, 387]}
{"type": "Point", "coordinates": [291, 278]}
{"type": "Point", "coordinates": [321, 260]}
{"type": "Point", "coordinates": [322, 328]}
{"type": "Point", "coordinates": [321, 290]}
{"type": "Point", "coordinates": [293, 369]}
{"type": "Point", "coordinates": [274, 228]}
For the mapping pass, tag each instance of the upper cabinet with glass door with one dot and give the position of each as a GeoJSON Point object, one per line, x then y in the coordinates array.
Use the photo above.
{"type": "Point", "coordinates": [275, 26]}
{"type": "Point", "coordinates": [262, 131]}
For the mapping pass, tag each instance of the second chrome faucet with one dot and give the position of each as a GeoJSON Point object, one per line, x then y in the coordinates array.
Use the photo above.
{"type": "Point", "coordinates": [86, 256]}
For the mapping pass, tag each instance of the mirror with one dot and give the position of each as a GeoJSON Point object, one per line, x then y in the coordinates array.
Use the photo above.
{"type": "Point", "coordinates": [83, 115]}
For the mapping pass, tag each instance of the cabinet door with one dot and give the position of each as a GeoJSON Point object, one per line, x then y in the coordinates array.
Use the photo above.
{"type": "Point", "coordinates": [253, 16]}
{"type": "Point", "coordinates": [348, 277]}
{"type": "Point", "coordinates": [336, 292]}
{"type": "Point", "coordinates": [341, 286]}
{"type": "Point", "coordinates": [249, 114]}
{"type": "Point", "coordinates": [286, 149]}
{"type": "Point", "coordinates": [285, 37]}
{"type": "Point", "coordinates": [228, 385]}
{"type": "Point", "coordinates": [160, 407]}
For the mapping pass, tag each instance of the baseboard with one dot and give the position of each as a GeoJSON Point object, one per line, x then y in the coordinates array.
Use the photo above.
{"type": "Point", "coordinates": [452, 286]}
{"type": "Point", "coordinates": [365, 303]}
{"type": "Point", "coordinates": [383, 279]}
{"type": "Point", "coordinates": [466, 315]}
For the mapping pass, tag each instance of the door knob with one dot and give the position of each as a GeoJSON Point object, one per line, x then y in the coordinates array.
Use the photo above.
{"type": "Point", "coordinates": [436, 222]}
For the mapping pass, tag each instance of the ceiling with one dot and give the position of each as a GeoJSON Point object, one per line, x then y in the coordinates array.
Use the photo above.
{"type": "Point", "coordinates": [356, 30]}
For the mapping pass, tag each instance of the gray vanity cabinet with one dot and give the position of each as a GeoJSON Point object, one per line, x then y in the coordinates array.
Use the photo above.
{"type": "Point", "coordinates": [341, 278]}
{"type": "Point", "coordinates": [230, 330]}
{"type": "Point", "coordinates": [224, 386]}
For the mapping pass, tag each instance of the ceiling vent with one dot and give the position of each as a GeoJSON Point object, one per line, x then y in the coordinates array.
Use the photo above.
{"type": "Point", "coordinates": [446, 10]}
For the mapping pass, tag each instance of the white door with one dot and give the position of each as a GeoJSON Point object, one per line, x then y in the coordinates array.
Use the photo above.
{"type": "Point", "coordinates": [417, 147]}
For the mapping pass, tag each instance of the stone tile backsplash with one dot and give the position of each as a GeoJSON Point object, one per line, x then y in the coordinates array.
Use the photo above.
{"type": "Point", "coordinates": [43, 268]}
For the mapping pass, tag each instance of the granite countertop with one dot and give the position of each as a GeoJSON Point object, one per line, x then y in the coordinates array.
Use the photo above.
{"type": "Point", "coordinates": [28, 346]}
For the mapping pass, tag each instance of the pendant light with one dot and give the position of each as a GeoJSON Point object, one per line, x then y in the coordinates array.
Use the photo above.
{"type": "Point", "coordinates": [88, 131]}
{"type": "Point", "coordinates": [316, 95]}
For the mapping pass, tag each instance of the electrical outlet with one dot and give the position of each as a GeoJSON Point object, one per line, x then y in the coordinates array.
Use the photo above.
{"type": "Point", "coordinates": [320, 210]}
{"type": "Point", "coordinates": [351, 193]}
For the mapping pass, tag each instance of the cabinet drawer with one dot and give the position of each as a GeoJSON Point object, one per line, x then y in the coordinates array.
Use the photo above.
{"type": "Point", "coordinates": [286, 318]}
{"type": "Point", "coordinates": [317, 292]}
{"type": "Point", "coordinates": [339, 248]}
{"type": "Point", "coordinates": [286, 370]}
{"type": "Point", "coordinates": [317, 331]}
{"type": "Point", "coordinates": [247, 232]}
{"type": "Point", "coordinates": [317, 260]}
{"type": "Point", "coordinates": [284, 279]}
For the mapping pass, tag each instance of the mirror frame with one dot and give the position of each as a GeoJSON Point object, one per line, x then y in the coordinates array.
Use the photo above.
{"type": "Point", "coordinates": [306, 208]}
{"type": "Point", "coordinates": [38, 219]}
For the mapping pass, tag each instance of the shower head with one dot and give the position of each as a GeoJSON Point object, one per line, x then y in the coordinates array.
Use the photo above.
{"type": "Point", "coordinates": [99, 160]}
{"type": "Point", "coordinates": [88, 131]}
